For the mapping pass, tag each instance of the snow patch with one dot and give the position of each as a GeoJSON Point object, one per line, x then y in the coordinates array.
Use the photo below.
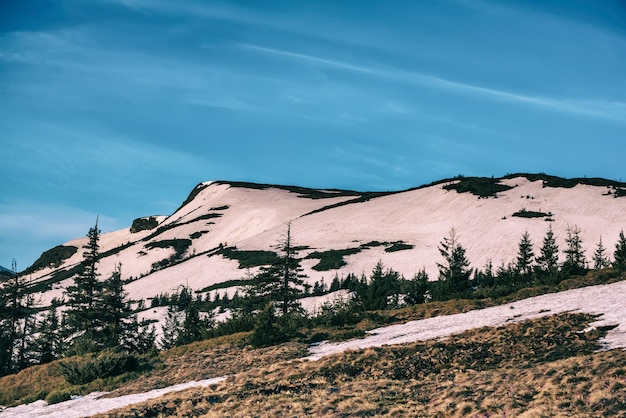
{"type": "Point", "coordinates": [604, 300]}
{"type": "Point", "coordinates": [92, 404]}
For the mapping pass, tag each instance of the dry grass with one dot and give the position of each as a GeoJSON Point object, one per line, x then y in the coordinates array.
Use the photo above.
{"type": "Point", "coordinates": [540, 368]}
{"type": "Point", "coordinates": [30, 384]}
{"type": "Point", "coordinates": [199, 363]}
{"type": "Point", "coordinates": [229, 355]}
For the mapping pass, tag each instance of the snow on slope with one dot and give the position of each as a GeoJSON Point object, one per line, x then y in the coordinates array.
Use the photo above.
{"type": "Point", "coordinates": [92, 404]}
{"type": "Point", "coordinates": [605, 300]}
{"type": "Point", "coordinates": [255, 218]}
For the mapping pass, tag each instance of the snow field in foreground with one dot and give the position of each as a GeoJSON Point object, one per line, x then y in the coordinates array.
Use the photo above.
{"type": "Point", "coordinates": [92, 404]}
{"type": "Point", "coordinates": [608, 300]}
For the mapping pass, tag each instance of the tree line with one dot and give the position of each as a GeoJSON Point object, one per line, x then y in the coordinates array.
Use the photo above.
{"type": "Point", "coordinates": [95, 315]}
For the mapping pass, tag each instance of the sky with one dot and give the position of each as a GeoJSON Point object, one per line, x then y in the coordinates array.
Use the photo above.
{"type": "Point", "coordinates": [116, 109]}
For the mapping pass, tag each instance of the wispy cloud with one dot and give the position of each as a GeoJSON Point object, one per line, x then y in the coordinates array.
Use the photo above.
{"type": "Point", "coordinates": [35, 227]}
{"type": "Point", "coordinates": [229, 103]}
{"type": "Point", "coordinates": [310, 58]}
{"type": "Point", "coordinates": [592, 108]}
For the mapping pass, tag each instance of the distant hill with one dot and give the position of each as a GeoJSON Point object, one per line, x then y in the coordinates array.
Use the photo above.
{"type": "Point", "coordinates": [6, 272]}
{"type": "Point", "coordinates": [224, 230]}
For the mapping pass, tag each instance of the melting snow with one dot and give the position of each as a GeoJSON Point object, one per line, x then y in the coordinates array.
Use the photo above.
{"type": "Point", "coordinates": [605, 300]}
{"type": "Point", "coordinates": [93, 403]}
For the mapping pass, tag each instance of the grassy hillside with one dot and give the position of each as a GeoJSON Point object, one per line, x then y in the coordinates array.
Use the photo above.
{"type": "Point", "coordinates": [542, 367]}
{"type": "Point", "coordinates": [550, 364]}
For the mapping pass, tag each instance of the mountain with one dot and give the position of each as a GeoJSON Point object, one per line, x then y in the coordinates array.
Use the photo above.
{"type": "Point", "coordinates": [5, 272]}
{"type": "Point", "coordinates": [224, 230]}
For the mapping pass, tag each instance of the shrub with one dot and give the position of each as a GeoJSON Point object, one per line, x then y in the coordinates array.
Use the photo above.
{"type": "Point", "coordinates": [478, 186]}
{"type": "Point", "coordinates": [331, 259]}
{"type": "Point", "coordinates": [87, 369]}
{"type": "Point", "coordinates": [57, 396]}
{"type": "Point", "coordinates": [249, 259]}
{"type": "Point", "coordinates": [531, 214]}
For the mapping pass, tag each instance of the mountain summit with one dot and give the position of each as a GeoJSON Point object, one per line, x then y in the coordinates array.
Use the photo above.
{"type": "Point", "coordinates": [226, 230]}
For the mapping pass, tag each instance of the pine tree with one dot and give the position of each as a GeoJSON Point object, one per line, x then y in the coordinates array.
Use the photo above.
{"type": "Point", "coordinates": [185, 323]}
{"type": "Point", "coordinates": [115, 310]}
{"type": "Point", "coordinates": [83, 316]}
{"type": "Point", "coordinates": [525, 255]}
{"type": "Point", "coordinates": [486, 278]}
{"type": "Point", "coordinates": [620, 253]}
{"type": "Point", "coordinates": [382, 291]}
{"type": "Point", "coordinates": [454, 272]}
{"type": "Point", "coordinates": [600, 260]}
{"type": "Point", "coordinates": [281, 281]}
{"type": "Point", "coordinates": [195, 325]}
{"type": "Point", "coordinates": [49, 342]}
{"type": "Point", "coordinates": [548, 261]}
{"type": "Point", "coordinates": [17, 321]}
{"type": "Point", "coordinates": [416, 289]}
{"type": "Point", "coordinates": [575, 260]}
{"type": "Point", "coordinates": [171, 328]}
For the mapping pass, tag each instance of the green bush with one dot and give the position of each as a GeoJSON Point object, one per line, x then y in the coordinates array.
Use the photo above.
{"type": "Point", "coordinates": [57, 396]}
{"type": "Point", "coordinates": [478, 186]}
{"type": "Point", "coordinates": [89, 368]}
{"type": "Point", "coordinates": [531, 214]}
{"type": "Point", "coordinates": [249, 259]}
{"type": "Point", "coordinates": [331, 259]}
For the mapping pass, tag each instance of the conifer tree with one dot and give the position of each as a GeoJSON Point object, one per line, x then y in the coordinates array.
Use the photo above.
{"type": "Point", "coordinates": [455, 271]}
{"type": "Point", "coordinates": [416, 289]}
{"type": "Point", "coordinates": [575, 260]}
{"type": "Point", "coordinates": [486, 278]}
{"type": "Point", "coordinates": [16, 324]}
{"type": "Point", "coordinates": [281, 281]}
{"type": "Point", "coordinates": [171, 328]}
{"type": "Point", "coordinates": [600, 259]}
{"type": "Point", "coordinates": [115, 309]}
{"type": "Point", "coordinates": [619, 255]}
{"type": "Point", "coordinates": [185, 323]}
{"type": "Point", "coordinates": [548, 261]}
{"type": "Point", "coordinates": [525, 255]}
{"type": "Point", "coordinates": [82, 317]}
{"type": "Point", "coordinates": [382, 291]}
{"type": "Point", "coordinates": [49, 342]}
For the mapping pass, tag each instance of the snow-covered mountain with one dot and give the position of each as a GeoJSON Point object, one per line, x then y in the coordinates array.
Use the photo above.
{"type": "Point", "coordinates": [224, 230]}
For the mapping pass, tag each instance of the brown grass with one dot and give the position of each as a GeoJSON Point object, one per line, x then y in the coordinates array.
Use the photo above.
{"type": "Point", "coordinates": [540, 368]}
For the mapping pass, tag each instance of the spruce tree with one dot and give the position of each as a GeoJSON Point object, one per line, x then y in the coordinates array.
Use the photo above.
{"type": "Point", "coordinates": [575, 260]}
{"type": "Point", "coordinates": [455, 271]}
{"type": "Point", "coordinates": [171, 328]}
{"type": "Point", "coordinates": [382, 291]}
{"type": "Point", "coordinates": [525, 255]}
{"type": "Point", "coordinates": [17, 321]}
{"type": "Point", "coordinates": [485, 278]}
{"type": "Point", "coordinates": [619, 255]}
{"type": "Point", "coordinates": [280, 282]}
{"type": "Point", "coordinates": [600, 259]}
{"type": "Point", "coordinates": [83, 315]}
{"type": "Point", "coordinates": [548, 260]}
{"type": "Point", "coordinates": [416, 289]}
{"type": "Point", "coordinates": [114, 308]}
{"type": "Point", "coordinates": [49, 342]}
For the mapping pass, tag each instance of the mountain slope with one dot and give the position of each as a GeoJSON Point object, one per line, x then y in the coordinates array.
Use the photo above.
{"type": "Point", "coordinates": [199, 244]}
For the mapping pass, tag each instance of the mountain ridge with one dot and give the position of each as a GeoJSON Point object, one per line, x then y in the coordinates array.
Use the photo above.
{"type": "Point", "coordinates": [184, 247]}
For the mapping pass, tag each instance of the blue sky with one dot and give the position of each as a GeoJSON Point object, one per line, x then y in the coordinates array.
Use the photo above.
{"type": "Point", "coordinates": [118, 108]}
